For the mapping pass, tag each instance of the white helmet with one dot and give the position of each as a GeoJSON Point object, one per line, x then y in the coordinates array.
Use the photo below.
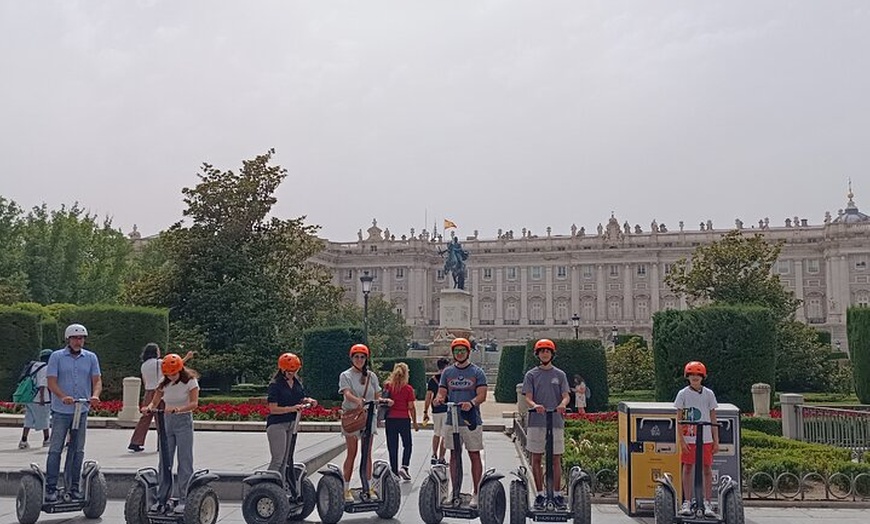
{"type": "Point", "coordinates": [75, 330]}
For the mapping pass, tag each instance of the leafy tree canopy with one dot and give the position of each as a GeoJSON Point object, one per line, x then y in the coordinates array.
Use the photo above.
{"type": "Point", "coordinates": [388, 332]}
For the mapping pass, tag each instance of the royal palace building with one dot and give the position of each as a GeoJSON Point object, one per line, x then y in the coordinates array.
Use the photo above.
{"type": "Point", "coordinates": [526, 286]}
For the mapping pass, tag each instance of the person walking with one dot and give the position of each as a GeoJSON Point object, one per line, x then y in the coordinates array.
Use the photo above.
{"type": "Point", "coordinates": [439, 413]}
{"type": "Point", "coordinates": [400, 416]}
{"type": "Point", "coordinates": [179, 391]}
{"type": "Point", "coordinates": [358, 384]}
{"type": "Point", "coordinates": [151, 377]}
{"type": "Point", "coordinates": [580, 394]}
{"type": "Point", "coordinates": [286, 398]}
{"type": "Point", "coordinates": [72, 373]}
{"type": "Point", "coordinates": [38, 412]}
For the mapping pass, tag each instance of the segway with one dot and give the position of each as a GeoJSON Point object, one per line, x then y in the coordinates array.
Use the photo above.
{"type": "Point", "coordinates": [92, 484]}
{"type": "Point", "coordinates": [331, 505]}
{"type": "Point", "coordinates": [143, 506]}
{"type": "Point", "coordinates": [579, 503]}
{"type": "Point", "coordinates": [437, 501]}
{"type": "Point", "coordinates": [729, 501]}
{"type": "Point", "coordinates": [275, 498]}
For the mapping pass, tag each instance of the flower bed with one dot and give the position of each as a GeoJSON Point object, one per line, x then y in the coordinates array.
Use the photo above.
{"type": "Point", "coordinates": [248, 411]}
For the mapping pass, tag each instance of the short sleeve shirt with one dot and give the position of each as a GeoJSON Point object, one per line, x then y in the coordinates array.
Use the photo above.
{"type": "Point", "coordinates": [74, 375]}
{"type": "Point", "coordinates": [152, 375]}
{"type": "Point", "coordinates": [695, 406]}
{"type": "Point", "coordinates": [432, 386]}
{"type": "Point", "coordinates": [281, 393]}
{"type": "Point", "coordinates": [402, 401]}
{"type": "Point", "coordinates": [177, 394]}
{"type": "Point", "coordinates": [354, 380]}
{"type": "Point", "coordinates": [462, 384]}
{"type": "Point", "coordinates": [547, 387]}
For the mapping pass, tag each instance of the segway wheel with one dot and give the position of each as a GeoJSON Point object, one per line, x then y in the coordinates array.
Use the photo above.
{"type": "Point", "coordinates": [664, 506]}
{"type": "Point", "coordinates": [428, 502]}
{"type": "Point", "coordinates": [492, 502]}
{"type": "Point", "coordinates": [732, 513]}
{"type": "Point", "coordinates": [135, 511]}
{"type": "Point", "coordinates": [581, 504]}
{"type": "Point", "coordinates": [96, 497]}
{"type": "Point", "coordinates": [202, 506]}
{"type": "Point", "coordinates": [28, 503]}
{"type": "Point", "coordinates": [330, 499]}
{"type": "Point", "coordinates": [309, 500]}
{"type": "Point", "coordinates": [391, 497]}
{"type": "Point", "coordinates": [519, 502]}
{"type": "Point", "coordinates": [265, 503]}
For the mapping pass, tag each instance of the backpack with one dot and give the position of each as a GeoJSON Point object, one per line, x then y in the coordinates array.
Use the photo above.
{"type": "Point", "coordinates": [27, 388]}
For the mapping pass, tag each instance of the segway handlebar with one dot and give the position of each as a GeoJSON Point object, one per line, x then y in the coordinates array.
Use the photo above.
{"type": "Point", "coordinates": [553, 410]}
{"type": "Point", "coordinates": [699, 423]}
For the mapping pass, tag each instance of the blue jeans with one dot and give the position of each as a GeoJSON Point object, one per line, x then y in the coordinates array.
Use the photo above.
{"type": "Point", "coordinates": [61, 423]}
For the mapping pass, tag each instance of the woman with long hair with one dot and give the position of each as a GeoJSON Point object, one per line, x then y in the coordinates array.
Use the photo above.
{"type": "Point", "coordinates": [151, 377]}
{"type": "Point", "coordinates": [358, 384]}
{"type": "Point", "coordinates": [179, 391]}
{"type": "Point", "coordinates": [399, 418]}
{"type": "Point", "coordinates": [286, 398]}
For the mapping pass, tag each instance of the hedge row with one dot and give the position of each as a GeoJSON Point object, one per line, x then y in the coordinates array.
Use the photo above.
{"type": "Point", "coordinates": [858, 329]}
{"type": "Point", "coordinates": [736, 343]}
{"type": "Point", "coordinates": [579, 357]}
{"type": "Point", "coordinates": [325, 356]}
{"type": "Point", "coordinates": [510, 373]}
{"type": "Point", "coordinates": [22, 340]}
{"type": "Point", "coordinates": [416, 370]}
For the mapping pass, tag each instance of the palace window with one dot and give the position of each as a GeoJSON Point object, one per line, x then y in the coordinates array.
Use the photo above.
{"type": "Point", "coordinates": [400, 273]}
{"type": "Point", "coordinates": [487, 273]}
{"type": "Point", "coordinates": [536, 272]}
{"type": "Point", "coordinates": [641, 270]}
{"type": "Point", "coordinates": [813, 266]}
{"type": "Point", "coordinates": [561, 272]}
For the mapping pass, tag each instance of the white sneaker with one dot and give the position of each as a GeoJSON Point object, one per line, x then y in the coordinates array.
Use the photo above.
{"type": "Point", "coordinates": [473, 503]}
{"type": "Point", "coordinates": [686, 508]}
{"type": "Point", "coordinates": [23, 445]}
{"type": "Point", "coordinates": [404, 474]}
{"type": "Point", "coordinates": [708, 510]}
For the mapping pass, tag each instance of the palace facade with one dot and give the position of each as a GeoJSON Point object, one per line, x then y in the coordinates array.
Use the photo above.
{"type": "Point", "coordinates": [527, 286]}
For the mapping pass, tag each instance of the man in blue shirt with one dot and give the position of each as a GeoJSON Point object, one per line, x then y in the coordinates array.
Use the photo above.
{"type": "Point", "coordinates": [73, 372]}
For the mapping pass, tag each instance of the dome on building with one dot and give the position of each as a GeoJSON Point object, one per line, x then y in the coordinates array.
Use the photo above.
{"type": "Point", "coordinates": [851, 215]}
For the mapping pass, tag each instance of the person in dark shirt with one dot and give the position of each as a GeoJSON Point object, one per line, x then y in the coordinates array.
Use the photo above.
{"type": "Point", "coordinates": [439, 413]}
{"type": "Point", "coordinates": [286, 398]}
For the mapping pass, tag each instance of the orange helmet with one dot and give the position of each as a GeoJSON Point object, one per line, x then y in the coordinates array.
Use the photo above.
{"type": "Point", "coordinates": [289, 362]}
{"type": "Point", "coordinates": [172, 364]}
{"type": "Point", "coordinates": [359, 348]}
{"type": "Point", "coordinates": [695, 368]}
{"type": "Point", "coordinates": [460, 342]}
{"type": "Point", "coordinates": [545, 343]}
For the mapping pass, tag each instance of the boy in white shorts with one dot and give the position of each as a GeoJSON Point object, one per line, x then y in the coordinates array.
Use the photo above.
{"type": "Point", "coordinates": [546, 387]}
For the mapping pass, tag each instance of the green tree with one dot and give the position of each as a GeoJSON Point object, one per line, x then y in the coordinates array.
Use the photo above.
{"type": "Point", "coordinates": [388, 332]}
{"type": "Point", "coordinates": [630, 366]}
{"type": "Point", "coordinates": [13, 279]}
{"type": "Point", "coordinates": [237, 276]}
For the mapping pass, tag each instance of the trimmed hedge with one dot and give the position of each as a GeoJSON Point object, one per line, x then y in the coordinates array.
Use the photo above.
{"type": "Point", "coordinates": [858, 331]}
{"type": "Point", "coordinates": [51, 338]}
{"type": "Point", "coordinates": [510, 373]}
{"type": "Point", "coordinates": [582, 357]}
{"type": "Point", "coordinates": [622, 339]}
{"type": "Point", "coordinates": [325, 356]}
{"type": "Point", "coordinates": [771, 426]}
{"type": "Point", "coordinates": [416, 371]}
{"type": "Point", "coordinates": [736, 343]}
{"type": "Point", "coordinates": [117, 335]}
{"type": "Point", "coordinates": [21, 336]}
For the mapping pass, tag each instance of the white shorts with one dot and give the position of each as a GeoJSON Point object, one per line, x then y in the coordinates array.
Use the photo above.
{"type": "Point", "coordinates": [438, 422]}
{"type": "Point", "coordinates": [536, 440]}
{"type": "Point", "coordinates": [471, 440]}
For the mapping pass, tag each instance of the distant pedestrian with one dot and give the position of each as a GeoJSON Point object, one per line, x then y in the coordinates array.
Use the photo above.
{"type": "Point", "coordinates": [152, 376]}
{"type": "Point", "coordinates": [38, 412]}
{"type": "Point", "coordinates": [581, 393]}
{"type": "Point", "coordinates": [401, 415]}
{"type": "Point", "coordinates": [439, 413]}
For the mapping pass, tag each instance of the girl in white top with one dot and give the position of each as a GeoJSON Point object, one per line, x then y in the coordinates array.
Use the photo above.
{"type": "Point", "coordinates": [179, 391]}
{"type": "Point", "coordinates": [151, 378]}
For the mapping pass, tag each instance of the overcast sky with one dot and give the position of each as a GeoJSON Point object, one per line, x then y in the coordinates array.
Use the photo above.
{"type": "Point", "coordinates": [494, 114]}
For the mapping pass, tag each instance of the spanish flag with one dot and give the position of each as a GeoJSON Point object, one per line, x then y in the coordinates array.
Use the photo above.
{"type": "Point", "coordinates": [448, 224]}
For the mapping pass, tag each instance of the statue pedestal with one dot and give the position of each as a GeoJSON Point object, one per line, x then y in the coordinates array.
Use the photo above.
{"type": "Point", "coordinates": [455, 321]}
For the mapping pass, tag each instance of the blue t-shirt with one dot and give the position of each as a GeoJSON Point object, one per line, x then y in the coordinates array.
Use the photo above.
{"type": "Point", "coordinates": [74, 376]}
{"type": "Point", "coordinates": [462, 384]}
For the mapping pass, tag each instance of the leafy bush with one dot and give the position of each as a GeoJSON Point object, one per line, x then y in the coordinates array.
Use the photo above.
{"type": "Point", "coordinates": [510, 373]}
{"type": "Point", "coordinates": [858, 328]}
{"type": "Point", "coordinates": [579, 357]}
{"type": "Point", "coordinates": [416, 370]}
{"type": "Point", "coordinates": [736, 343]}
{"type": "Point", "coordinates": [803, 360]}
{"type": "Point", "coordinates": [249, 389]}
{"type": "Point", "coordinates": [325, 356]}
{"type": "Point", "coordinates": [630, 366]}
{"type": "Point", "coordinates": [770, 426]}
{"type": "Point", "coordinates": [20, 333]}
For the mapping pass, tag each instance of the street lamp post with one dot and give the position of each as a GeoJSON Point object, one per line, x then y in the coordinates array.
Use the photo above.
{"type": "Point", "coordinates": [575, 321]}
{"type": "Point", "coordinates": [614, 335]}
{"type": "Point", "coordinates": [366, 281]}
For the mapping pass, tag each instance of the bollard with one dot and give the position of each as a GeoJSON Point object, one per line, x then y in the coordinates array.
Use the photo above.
{"type": "Point", "coordinates": [522, 407]}
{"type": "Point", "coordinates": [792, 416]}
{"type": "Point", "coordinates": [130, 409]}
{"type": "Point", "coordinates": [761, 399]}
